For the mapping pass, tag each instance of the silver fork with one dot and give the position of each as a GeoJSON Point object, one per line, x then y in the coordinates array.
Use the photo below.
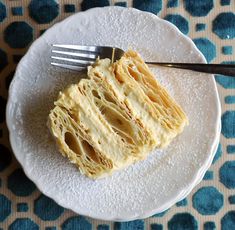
{"type": "Point", "coordinates": [77, 57]}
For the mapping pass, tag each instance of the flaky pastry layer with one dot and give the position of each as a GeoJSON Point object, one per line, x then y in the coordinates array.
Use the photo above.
{"type": "Point", "coordinates": [115, 117]}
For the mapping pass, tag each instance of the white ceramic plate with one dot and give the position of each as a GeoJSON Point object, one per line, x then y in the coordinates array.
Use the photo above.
{"type": "Point", "coordinates": [143, 189]}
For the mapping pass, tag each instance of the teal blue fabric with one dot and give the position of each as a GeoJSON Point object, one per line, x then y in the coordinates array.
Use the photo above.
{"type": "Point", "coordinates": [224, 2]}
{"type": "Point", "coordinates": [18, 34]}
{"type": "Point", "coordinates": [178, 21]}
{"type": "Point", "coordinates": [136, 224]}
{"type": "Point", "coordinates": [172, 3]}
{"type": "Point", "coordinates": [103, 227]}
{"type": "Point", "coordinates": [200, 26]}
{"type": "Point", "coordinates": [209, 175]}
{"type": "Point", "coordinates": [231, 199]}
{"type": "Point", "coordinates": [5, 209]}
{"type": "Point", "coordinates": [123, 4]}
{"type": "Point", "coordinates": [156, 227]}
{"type": "Point", "coordinates": [69, 8]}
{"type": "Point", "coordinates": [19, 184]}
{"type": "Point", "coordinates": [227, 174]}
{"type": "Point", "coordinates": [228, 125]}
{"type": "Point", "coordinates": [17, 11]}
{"type": "Point", "coordinates": [227, 50]}
{"type": "Point", "coordinates": [5, 156]}
{"type": "Point", "coordinates": [77, 222]}
{"type": "Point", "coordinates": [153, 6]}
{"type": "Point", "coordinates": [229, 99]}
{"type": "Point", "coordinates": [23, 223]}
{"type": "Point", "coordinates": [223, 25]}
{"type": "Point", "coordinates": [226, 81]}
{"type": "Point", "coordinates": [218, 154]}
{"type": "Point", "coordinates": [3, 12]}
{"type": "Point", "coordinates": [87, 4]}
{"type": "Point", "coordinates": [206, 47]}
{"type": "Point", "coordinates": [199, 8]}
{"type": "Point", "coordinates": [47, 209]}
{"type": "Point", "coordinates": [43, 11]}
{"type": "Point", "coordinates": [22, 207]}
{"type": "Point", "coordinates": [208, 200]}
{"type": "Point", "coordinates": [183, 221]}
{"type": "Point", "coordinates": [228, 221]}
{"type": "Point", "coordinates": [231, 149]}
{"type": "Point", "coordinates": [50, 228]}
{"type": "Point", "coordinates": [183, 202]}
{"type": "Point", "coordinates": [209, 226]}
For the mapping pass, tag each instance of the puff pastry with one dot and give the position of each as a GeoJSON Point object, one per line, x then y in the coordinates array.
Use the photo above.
{"type": "Point", "coordinates": [115, 117]}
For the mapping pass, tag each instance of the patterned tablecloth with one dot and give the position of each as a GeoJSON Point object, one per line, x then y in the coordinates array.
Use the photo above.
{"type": "Point", "coordinates": [211, 205]}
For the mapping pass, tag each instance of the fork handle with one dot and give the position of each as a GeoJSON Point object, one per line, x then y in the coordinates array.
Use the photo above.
{"type": "Point", "coordinates": [225, 69]}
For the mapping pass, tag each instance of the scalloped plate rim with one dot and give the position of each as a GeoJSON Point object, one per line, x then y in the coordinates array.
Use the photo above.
{"type": "Point", "coordinates": [197, 178]}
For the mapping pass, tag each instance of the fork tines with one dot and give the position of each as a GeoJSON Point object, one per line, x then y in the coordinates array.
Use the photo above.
{"type": "Point", "coordinates": [74, 57]}
{"type": "Point", "coordinates": [78, 57]}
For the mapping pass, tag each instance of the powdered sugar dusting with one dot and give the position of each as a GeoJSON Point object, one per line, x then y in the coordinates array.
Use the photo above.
{"type": "Point", "coordinates": [146, 186]}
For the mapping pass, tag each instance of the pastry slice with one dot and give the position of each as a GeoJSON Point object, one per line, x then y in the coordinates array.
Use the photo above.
{"type": "Point", "coordinates": [115, 117]}
{"type": "Point", "coordinates": [163, 117]}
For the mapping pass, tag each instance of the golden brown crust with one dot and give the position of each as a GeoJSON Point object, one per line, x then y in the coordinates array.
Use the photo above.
{"type": "Point", "coordinates": [114, 118]}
